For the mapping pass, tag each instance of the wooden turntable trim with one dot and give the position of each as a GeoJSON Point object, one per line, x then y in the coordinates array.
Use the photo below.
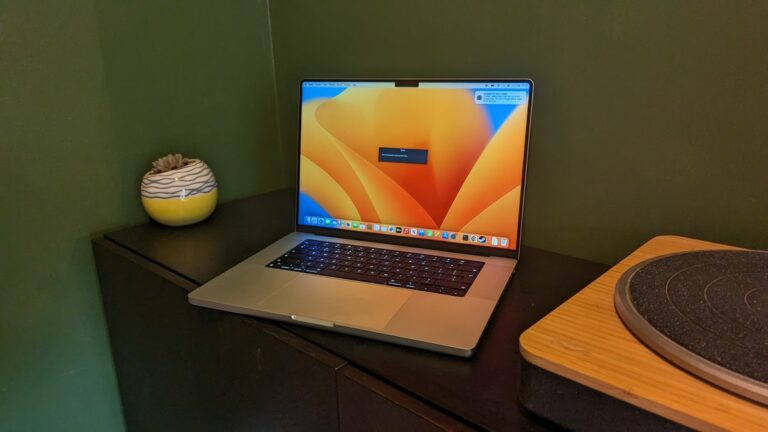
{"type": "Point", "coordinates": [585, 341]}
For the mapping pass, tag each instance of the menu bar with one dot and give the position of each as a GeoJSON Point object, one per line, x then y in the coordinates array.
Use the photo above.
{"type": "Point", "coordinates": [345, 84]}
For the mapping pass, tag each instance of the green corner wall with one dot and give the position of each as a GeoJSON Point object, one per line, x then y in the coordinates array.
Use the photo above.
{"type": "Point", "coordinates": [90, 93]}
{"type": "Point", "coordinates": [649, 118]}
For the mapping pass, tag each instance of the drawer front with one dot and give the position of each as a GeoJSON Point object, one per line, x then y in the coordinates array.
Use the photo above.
{"type": "Point", "coordinates": [367, 404]}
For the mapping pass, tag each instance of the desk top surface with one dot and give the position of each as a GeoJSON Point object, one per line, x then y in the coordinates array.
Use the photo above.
{"type": "Point", "coordinates": [482, 390]}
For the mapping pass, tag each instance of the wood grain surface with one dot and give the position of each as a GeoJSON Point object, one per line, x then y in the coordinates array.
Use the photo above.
{"type": "Point", "coordinates": [585, 341]}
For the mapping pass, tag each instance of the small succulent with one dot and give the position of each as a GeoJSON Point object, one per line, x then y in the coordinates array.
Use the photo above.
{"type": "Point", "coordinates": [169, 162]}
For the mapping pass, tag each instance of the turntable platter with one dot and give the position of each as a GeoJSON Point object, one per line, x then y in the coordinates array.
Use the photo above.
{"type": "Point", "coordinates": [706, 312]}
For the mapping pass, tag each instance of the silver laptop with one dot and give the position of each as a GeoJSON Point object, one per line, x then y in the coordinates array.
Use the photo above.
{"type": "Point", "coordinates": [408, 216]}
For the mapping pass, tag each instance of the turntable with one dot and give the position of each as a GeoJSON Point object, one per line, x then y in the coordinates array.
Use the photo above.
{"type": "Point", "coordinates": [675, 336]}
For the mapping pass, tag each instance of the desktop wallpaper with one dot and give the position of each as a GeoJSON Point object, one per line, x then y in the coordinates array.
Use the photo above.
{"type": "Point", "coordinates": [469, 159]}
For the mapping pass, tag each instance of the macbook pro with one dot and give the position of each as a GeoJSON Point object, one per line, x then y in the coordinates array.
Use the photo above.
{"type": "Point", "coordinates": [408, 213]}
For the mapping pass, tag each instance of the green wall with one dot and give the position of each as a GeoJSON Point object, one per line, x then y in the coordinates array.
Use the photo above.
{"type": "Point", "coordinates": [90, 93]}
{"type": "Point", "coordinates": [648, 119]}
{"type": "Point", "coordinates": [649, 116]}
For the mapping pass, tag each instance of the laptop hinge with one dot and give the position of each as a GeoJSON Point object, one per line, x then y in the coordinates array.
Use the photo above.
{"type": "Point", "coordinates": [499, 260]}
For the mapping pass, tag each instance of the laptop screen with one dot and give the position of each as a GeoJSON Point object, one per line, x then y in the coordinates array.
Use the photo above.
{"type": "Point", "coordinates": [432, 160]}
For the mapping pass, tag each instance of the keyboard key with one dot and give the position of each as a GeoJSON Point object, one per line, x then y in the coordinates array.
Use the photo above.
{"type": "Point", "coordinates": [354, 276]}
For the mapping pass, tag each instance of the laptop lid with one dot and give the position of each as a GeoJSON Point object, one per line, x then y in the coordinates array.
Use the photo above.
{"type": "Point", "coordinates": [429, 163]}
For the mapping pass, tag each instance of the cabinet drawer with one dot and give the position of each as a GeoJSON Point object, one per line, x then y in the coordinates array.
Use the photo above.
{"type": "Point", "coordinates": [367, 404]}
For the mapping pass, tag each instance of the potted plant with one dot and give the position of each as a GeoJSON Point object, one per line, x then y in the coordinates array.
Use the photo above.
{"type": "Point", "coordinates": [179, 191]}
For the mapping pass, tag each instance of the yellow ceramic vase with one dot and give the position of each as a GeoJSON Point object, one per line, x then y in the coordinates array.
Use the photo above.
{"type": "Point", "coordinates": [182, 196]}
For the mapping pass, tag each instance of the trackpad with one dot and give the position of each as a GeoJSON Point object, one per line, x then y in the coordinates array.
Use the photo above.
{"type": "Point", "coordinates": [355, 304]}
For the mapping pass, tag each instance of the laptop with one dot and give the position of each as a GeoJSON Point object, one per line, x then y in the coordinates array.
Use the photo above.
{"type": "Point", "coordinates": [408, 213]}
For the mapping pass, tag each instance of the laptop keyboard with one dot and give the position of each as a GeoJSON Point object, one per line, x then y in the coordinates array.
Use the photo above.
{"type": "Point", "coordinates": [417, 271]}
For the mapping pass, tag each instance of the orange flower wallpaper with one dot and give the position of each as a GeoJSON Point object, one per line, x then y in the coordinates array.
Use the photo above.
{"type": "Point", "coordinates": [467, 174]}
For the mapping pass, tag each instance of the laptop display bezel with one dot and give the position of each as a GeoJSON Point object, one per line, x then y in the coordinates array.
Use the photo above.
{"type": "Point", "coordinates": [418, 241]}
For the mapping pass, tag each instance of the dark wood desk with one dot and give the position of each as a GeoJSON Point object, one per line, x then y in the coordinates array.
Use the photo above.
{"type": "Point", "coordinates": [184, 367]}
